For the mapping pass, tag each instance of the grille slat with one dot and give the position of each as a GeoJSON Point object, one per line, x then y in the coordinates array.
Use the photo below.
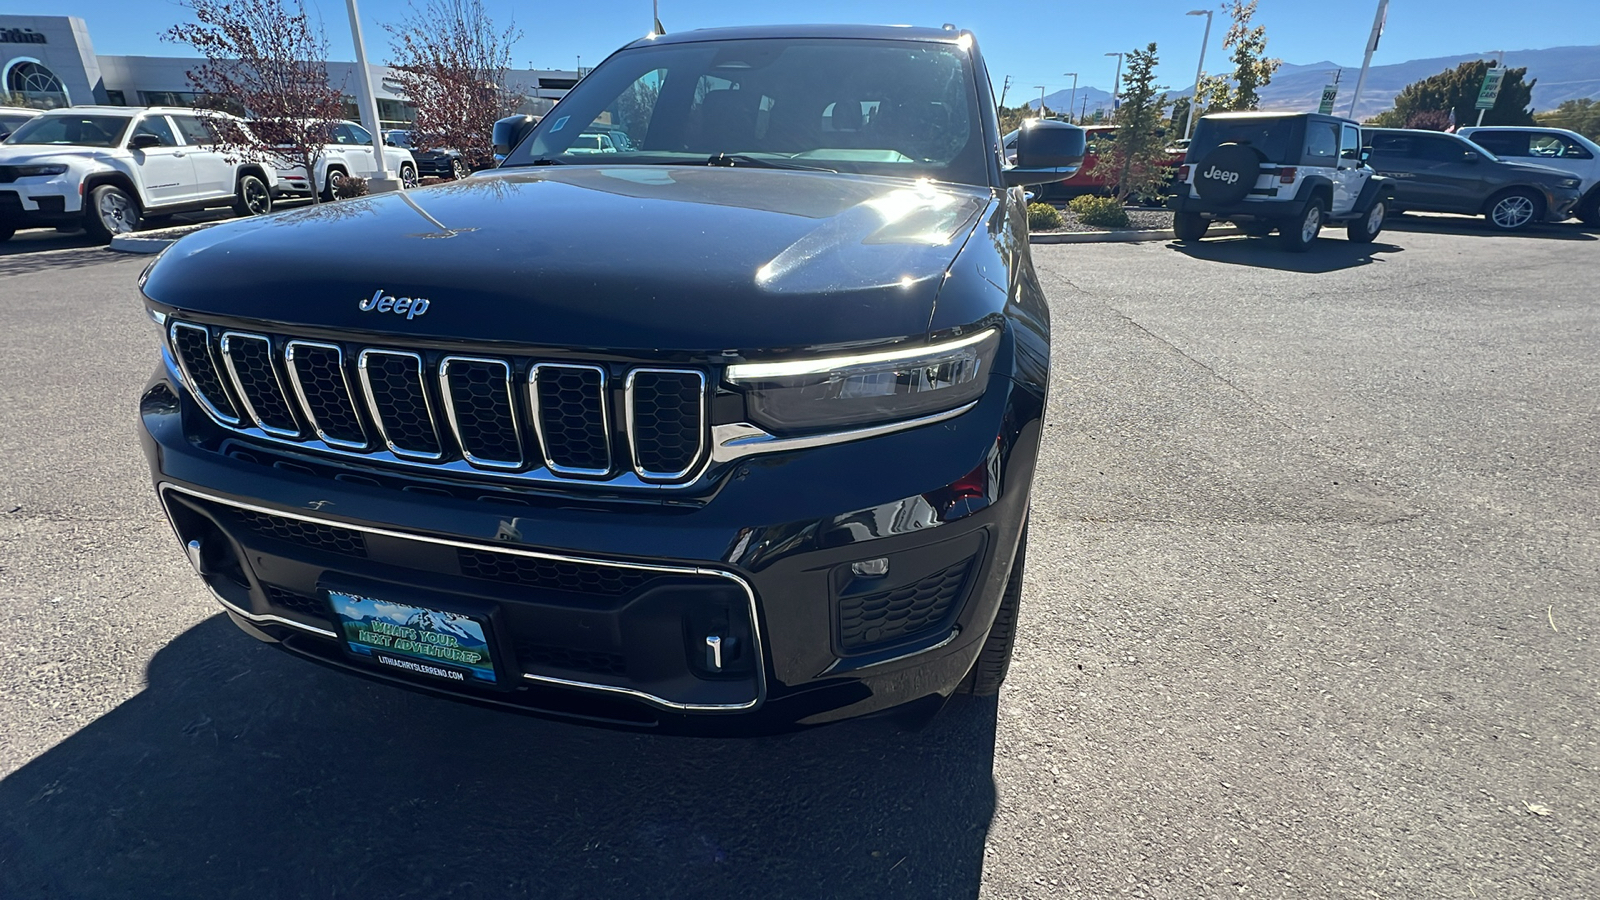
{"type": "Point", "coordinates": [478, 401]}
{"type": "Point", "coordinates": [397, 398]}
{"type": "Point", "coordinates": [310, 534]}
{"type": "Point", "coordinates": [570, 415]}
{"type": "Point", "coordinates": [197, 359]}
{"type": "Point", "coordinates": [573, 577]}
{"type": "Point", "coordinates": [597, 662]}
{"type": "Point", "coordinates": [875, 620]}
{"type": "Point", "coordinates": [666, 420]}
{"type": "Point", "coordinates": [323, 388]}
{"type": "Point", "coordinates": [248, 358]}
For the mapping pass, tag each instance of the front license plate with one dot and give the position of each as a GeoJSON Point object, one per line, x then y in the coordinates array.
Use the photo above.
{"type": "Point", "coordinates": [435, 643]}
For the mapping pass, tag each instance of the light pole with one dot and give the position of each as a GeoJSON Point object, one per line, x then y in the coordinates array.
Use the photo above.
{"type": "Point", "coordinates": [384, 180]}
{"type": "Point", "coordinates": [1116, 85]}
{"type": "Point", "coordinates": [1041, 99]}
{"type": "Point", "coordinates": [1073, 99]}
{"type": "Point", "coordinates": [1194, 99]}
{"type": "Point", "coordinates": [1378, 21]}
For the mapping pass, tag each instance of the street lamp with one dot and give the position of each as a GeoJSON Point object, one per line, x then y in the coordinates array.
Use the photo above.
{"type": "Point", "coordinates": [383, 181]}
{"type": "Point", "coordinates": [1041, 99]}
{"type": "Point", "coordinates": [1194, 99]}
{"type": "Point", "coordinates": [1116, 85]}
{"type": "Point", "coordinates": [1073, 101]}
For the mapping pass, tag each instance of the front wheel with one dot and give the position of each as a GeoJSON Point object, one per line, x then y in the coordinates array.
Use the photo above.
{"type": "Point", "coordinates": [1364, 229]}
{"type": "Point", "coordinates": [994, 660]}
{"type": "Point", "coordinates": [408, 176]}
{"type": "Point", "coordinates": [1189, 226]}
{"type": "Point", "coordinates": [335, 181]}
{"type": "Point", "coordinates": [1588, 211]}
{"type": "Point", "coordinates": [458, 169]}
{"type": "Point", "coordinates": [1298, 234]}
{"type": "Point", "coordinates": [252, 198]}
{"type": "Point", "coordinates": [1514, 210]}
{"type": "Point", "coordinates": [111, 212]}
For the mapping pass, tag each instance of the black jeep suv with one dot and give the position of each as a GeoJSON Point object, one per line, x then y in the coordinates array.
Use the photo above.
{"type": "Point", "coordinates": [729, 432]}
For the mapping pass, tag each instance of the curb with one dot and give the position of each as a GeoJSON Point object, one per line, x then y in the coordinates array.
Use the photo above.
{"type": "Point", "coordinates": [1119, 237]}
{"type": "Point", "coordinates": [156, 239]}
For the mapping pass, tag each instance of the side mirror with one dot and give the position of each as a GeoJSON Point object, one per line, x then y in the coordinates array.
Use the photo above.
{"type": "Point", "coordinates": [1366, 153]}
{"type": "Point", "coordinates": [144, 141]}
{"type": "Point", "coordinates": [1472, 156]}
{"type": "Point", "coordinates": [1047, 152]}
{"type": "Point", "coordinates": [510, 131]}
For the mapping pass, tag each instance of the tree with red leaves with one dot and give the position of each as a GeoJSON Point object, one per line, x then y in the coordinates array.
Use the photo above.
{"type": "Point", "coordinates": [268, 60]}
{"type": "Point", "coordinates": [451, 61]}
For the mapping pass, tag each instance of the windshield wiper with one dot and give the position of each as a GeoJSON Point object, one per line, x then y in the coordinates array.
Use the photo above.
{"type": "Point", "coordinates": [734, 160]}
{"type": "Point", "coordinates": [541, 161]}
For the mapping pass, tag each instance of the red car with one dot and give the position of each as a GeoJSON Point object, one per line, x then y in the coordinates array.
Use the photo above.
{"type": "Point", "coordinates": [1093, 179]}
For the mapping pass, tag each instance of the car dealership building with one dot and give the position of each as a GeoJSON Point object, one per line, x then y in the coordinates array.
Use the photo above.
{"type": "Point", "coordinates": [49, 61]}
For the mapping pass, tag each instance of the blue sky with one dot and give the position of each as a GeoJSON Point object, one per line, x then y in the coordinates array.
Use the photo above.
{"type": "Point", "coordinates": [1034, 41]}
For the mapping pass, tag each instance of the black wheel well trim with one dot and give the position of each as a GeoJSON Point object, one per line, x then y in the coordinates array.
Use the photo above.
{"type": "Point", "coordinates": [251, 169]}
{"type": "Point", "coordinates": [115, 179]}
{"type": "Point", "coordinates": [1538, 196]}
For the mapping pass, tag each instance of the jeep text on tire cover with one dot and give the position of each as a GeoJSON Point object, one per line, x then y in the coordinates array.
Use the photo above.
{"type": "Point", "coordinates": [729, 429]}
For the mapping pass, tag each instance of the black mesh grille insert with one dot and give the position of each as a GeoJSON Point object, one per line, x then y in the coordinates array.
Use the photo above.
{"type": "Point", "coordinates": [318, 370]}
{"type": "Point", "coordinates": [309, 534]}
{"type": "Point", "coordinates": [667, 421]}
{"type": "Point", "coordinates": [480, 409]}
{"type": "Point", "coordinates": [572, 422]}
{"type": "Point", "coordinates": [578, 578]}
{"type": "Point", "coordinates": [303, 604]}
{"type": "Point", "coordinates": [400, 401]}
{"type": "Point", "coordinates": [193, 345]}
{"type": "Point", "coordinates": [257, 381]}
{"type": "Point", "coordinates": [872, 620]}
{"type": "Point", "coordinates": [542, 656]}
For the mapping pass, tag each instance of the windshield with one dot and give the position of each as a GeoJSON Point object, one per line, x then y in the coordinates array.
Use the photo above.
{"type": "Point", "coordinates": [71, 130]}
{"type": "Point", "coordinates": [882, 107]}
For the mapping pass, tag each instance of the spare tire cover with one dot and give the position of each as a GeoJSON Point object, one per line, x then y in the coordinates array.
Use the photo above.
{"type": "Point", "coordinates": [1227, 173]}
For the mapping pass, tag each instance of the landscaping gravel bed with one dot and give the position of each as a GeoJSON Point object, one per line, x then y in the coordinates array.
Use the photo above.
{"type": "Point", "coordinates": [1138, 220]}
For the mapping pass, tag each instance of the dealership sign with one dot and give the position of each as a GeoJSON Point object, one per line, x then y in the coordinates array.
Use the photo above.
{"type": "Point", "coordinates": [21, 36]}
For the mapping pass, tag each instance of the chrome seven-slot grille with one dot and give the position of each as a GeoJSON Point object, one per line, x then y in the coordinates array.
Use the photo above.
{"type": "Point", "coordinates": [507, 414]}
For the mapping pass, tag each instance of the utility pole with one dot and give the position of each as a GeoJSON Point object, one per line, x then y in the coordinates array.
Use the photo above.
{"type": "Point", "coordinates": [1500, 63]}
{"type": "Point", "coordinates": [1041, 99]}
{"type": "Point", "coordinates": [1003, 89]}
{"type": "Point", "coordinates": [1116, 86]}
{"type": "Point", "coordinates": [1194, 99]}
{"type": "Point", "coordinates": [384, 180]}
{"type": "Point", "coordinates": [1366, 62]}
{"type": "Point", "coordinates": [1083, 113]}
{"type": "Point", "coordinates": [1072, 100]}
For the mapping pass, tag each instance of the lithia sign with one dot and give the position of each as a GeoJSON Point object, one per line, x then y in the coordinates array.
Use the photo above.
{"type": "Point", "coordinates": [21, 36]}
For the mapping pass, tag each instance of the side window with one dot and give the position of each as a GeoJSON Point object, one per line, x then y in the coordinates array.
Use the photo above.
{"type": "Point", "coordinates": [1554, 146]}
{"type": "Point", "coordinates": [1322, 144]}
{"type": "Point", "coordinates": [1397, 146]}
{"type": "Point", "coordinates": [156, 125]}
{"type": "Point", "coordinates": [195, 133]}
{"type": "Point", "coordinates": [1350, 143]}
{"type": "Point", "coordinates": [1440, 149]}
{"type": "Point", "coordinates": [358, 135]}
{"type": "Point", "coordinates": [1502, 143]}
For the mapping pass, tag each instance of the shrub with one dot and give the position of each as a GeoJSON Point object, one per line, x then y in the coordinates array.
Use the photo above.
{"type": "Point", "coordinates": [1100, 212]}
{"type": "Point", "coordinates": [1043, 217]}
{"type": "Point", "coordinates": [350, 186]}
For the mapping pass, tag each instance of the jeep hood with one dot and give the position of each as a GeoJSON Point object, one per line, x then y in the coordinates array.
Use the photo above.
{"type": "Point", "coordinates": [627, 258]}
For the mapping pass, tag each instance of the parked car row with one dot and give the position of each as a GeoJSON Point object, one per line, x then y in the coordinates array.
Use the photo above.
{"type": "Point", "coordinates": [1092, 178]}
{"type": "Point", "coordinates": [110, 169]}
{"type": "Point", "coordinates": [1296, 172]}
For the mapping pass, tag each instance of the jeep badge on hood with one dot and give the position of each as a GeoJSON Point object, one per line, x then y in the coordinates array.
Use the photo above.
{"type": "Point", "coordinates": [401, 306]}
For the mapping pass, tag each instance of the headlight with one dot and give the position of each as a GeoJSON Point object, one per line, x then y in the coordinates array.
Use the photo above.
{"type": "Point", "coordinates": [843, 391]}
{"type": "Point", "coordinates": [26, 171]}
{"type": "Point", "coordinates": [1570, 182]}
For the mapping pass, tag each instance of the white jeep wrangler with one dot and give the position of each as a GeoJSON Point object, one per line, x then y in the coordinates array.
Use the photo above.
{"type": "Point", "coordinates": [111, 168]}
{"type": "Point", "coordinates": [1293, 172]}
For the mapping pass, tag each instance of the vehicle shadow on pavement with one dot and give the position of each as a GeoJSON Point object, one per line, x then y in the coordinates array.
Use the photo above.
{"type": "Point", "coordinates": [1468, 226]}
{"type": "Point", "coordinates": [1327, 254]}
{"type": "Point", "coordinates": [242, 772]}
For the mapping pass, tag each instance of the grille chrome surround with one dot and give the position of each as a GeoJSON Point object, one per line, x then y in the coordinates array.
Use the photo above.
{"type": "Point", "coordinates": [307, 407]}
{"type": "Point", "coordinates": [540, 430]}
{"type": "Point", "coordinates": [631, 412]}
{"type": "Point", "coordinates": [364, 364]}
{"type": "Point", "coordinates": [274, 394]}
{"type": "Point", "coordinates": [212, 373]}
{"type": "Point", "coordinates": [509, 397]}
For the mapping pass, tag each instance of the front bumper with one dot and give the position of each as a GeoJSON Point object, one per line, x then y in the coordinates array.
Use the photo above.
{"type": "Point", "coordinates": [43, 205]}
{"type": "Point", "coordinates": [764, 556]}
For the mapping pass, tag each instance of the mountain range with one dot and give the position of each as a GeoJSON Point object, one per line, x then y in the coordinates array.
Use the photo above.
{"type": "Point", "coordinates": [1563, 73]}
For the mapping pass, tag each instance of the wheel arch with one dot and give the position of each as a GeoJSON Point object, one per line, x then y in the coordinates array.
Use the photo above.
{"type": "Point", "coordinates": [117, 179]}
{"type": "Point", "coordinates": [1542, 205]}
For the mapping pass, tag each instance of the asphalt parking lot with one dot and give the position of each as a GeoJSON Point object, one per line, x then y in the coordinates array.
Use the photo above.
{"type": "Point", "coordinates": [1310, 613]}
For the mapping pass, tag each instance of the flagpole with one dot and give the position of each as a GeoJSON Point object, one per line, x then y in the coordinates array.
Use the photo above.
{"type": "Point", "coordinates": [1372, 44]}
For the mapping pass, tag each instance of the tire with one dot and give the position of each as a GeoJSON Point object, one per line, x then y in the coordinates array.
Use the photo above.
{"type": "Point", "coordinates": [408, 176]}
{"type": "Point", "coordinates": [1513, 210]}
{"type": "Point", "coordinates": [330, 190]}
{"type": "Point", "coordinates": [1298, 234]}
{"type": "Point", "coordinates": [994, 660]}
{"type": "Point", "coordinates": [458, 169]}
{"type": "Point", "coordinates": [111, 211]}
{"type": "Point", "coordinates": [1366, 228]}
{"type": "Point", "coordinates": [1588, 211]}
{"type": "Point", "coordinates": [251, 197]}
{"type": "Point", "coordinates": [1227, 174]}
{"type": "Point", "coordinates": [1189, 226]}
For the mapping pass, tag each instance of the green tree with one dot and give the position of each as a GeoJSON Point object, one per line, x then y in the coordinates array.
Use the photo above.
{"type": "Point", "coordinates": [1581, 115]}
{"type": "Point", "coordinates": [1457, 89]}
{"type": "Point", "coordinates": [1180, 116]}
{"type": "Point", "coordinates": [1252, 69]}
{"type": "Point", "coordinates": [1137, 154]}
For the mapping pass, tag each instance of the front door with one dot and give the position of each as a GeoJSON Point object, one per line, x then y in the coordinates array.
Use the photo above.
{"type": "Point", "coordinates": [166, 173]}
{"type": "Point", "coordinates": [1351, 174]}
{"type": "Point", "coordinates": [355, 147]}
{"type": "Point", "coordinates": [213, 173]}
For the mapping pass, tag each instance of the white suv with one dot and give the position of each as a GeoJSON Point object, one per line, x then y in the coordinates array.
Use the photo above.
{"type": "Point", "coordinates": [1556, 148]}
{"type": "Point", "coordinates": [109, 168]}
{"type": "Point", "coordinates": [347, 153]}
